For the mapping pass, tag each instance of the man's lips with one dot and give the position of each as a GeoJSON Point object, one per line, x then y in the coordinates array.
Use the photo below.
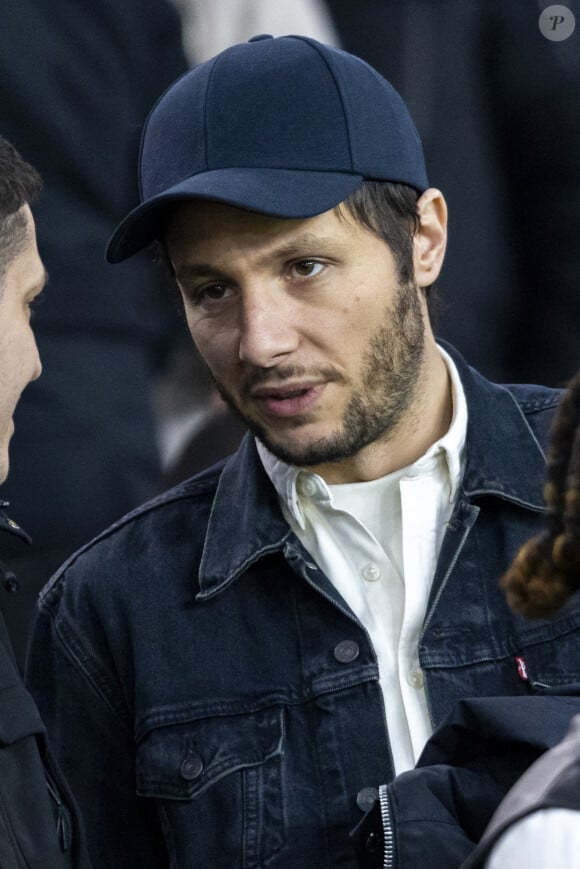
{"type": "Point", "coordinates": [289, 399]}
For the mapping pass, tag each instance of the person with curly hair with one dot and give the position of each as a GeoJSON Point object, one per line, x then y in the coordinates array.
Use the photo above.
{"type": "Point", "coordinates": [546, 571]}
{"type": "Point", "coordinates": [537, 825]}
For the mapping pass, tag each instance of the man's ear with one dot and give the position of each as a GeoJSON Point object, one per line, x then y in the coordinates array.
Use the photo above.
{"type": "Point", "coordinates": [430, 240]}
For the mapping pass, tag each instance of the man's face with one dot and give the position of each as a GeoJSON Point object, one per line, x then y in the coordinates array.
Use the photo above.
{"type": "Point", "coordinates": [21, 282]}
{"type": "Point", "coordinates": [303, 325]}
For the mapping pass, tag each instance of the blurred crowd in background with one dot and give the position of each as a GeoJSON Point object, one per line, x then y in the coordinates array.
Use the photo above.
{"type": "Point", "coordinates": [124, 408]}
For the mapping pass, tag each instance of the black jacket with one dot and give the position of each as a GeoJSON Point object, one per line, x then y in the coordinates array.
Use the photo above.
{"type": "Point", "coordinates": [552, 782]}
{"type": "Point", "coordinates": [439, 810]}
{"type": "Point", "coordinates": [39, 826]}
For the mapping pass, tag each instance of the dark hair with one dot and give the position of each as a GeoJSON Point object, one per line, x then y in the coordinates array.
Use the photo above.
{"type": "Point", "coordinates": [546, 571]}
{"type": "Point", "coordinates": [389, 210]}
{"type": "Point", "coordinates": [20, 184]}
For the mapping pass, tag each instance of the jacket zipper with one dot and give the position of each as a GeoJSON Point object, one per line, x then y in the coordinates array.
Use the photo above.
{"type": "Point", "coordinates": [389, 839]}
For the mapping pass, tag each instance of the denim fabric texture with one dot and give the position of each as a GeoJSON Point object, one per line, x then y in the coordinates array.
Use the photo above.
{"type": "Point", "coordinates": [190, 662]}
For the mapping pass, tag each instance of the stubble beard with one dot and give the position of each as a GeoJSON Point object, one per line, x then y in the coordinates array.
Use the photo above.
{"type": "Point", "coordinates": [389, 383]}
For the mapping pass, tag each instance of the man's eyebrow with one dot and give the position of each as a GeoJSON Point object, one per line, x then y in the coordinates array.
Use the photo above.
{"type": "Point", "coordinates": [306, 244]}
{"type": "Point", "coordinates": [200, 270]}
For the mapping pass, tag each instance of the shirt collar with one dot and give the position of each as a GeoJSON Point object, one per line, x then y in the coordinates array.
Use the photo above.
{"type": "Point", "coordinates": [285, 477]}
{"type": "Point", "coordinates": [453, 441]}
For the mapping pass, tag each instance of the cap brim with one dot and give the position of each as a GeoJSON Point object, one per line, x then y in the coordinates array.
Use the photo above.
{"type": "Point", "coordinates": [287, 193]}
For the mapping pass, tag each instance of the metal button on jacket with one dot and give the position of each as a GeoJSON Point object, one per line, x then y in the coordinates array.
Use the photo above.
{"type": "Point", "coordinates": [191, 768]}
{"type": "Point", "coordinates": [346, 651]}
{"type": "Point", "coordinates": [366, 798]}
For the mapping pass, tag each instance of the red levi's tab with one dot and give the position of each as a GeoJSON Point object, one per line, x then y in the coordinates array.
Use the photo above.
{"type": "Point", "coordinates": [522, 669]}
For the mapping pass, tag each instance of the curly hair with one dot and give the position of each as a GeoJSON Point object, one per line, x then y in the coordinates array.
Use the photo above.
{"type": "Point", "coordinates": [546, 570]}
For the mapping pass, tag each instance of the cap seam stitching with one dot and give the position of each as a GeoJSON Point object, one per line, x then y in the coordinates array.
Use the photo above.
{"type": "Point", "coordinates": [145, 127]}
{"type": "Point", "coordinates": [205, 113]}
{"type": "Point", "coordinates": [342, 103]}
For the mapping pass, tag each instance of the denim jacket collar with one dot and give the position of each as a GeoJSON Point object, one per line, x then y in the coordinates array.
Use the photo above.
{"type": "Point", "coordinates": [503, 455]}
{"type": "Point", "coordinates": [246, 521]}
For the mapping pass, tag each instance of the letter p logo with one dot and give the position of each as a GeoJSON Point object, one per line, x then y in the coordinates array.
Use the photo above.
{"type": "Point", "coordinates": [557, 23]}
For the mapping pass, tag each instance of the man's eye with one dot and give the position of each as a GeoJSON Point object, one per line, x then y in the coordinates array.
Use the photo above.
{"type": "Point", "coordinates": [308, 268]}
{"type": "Point", "coordinates": [211, 293]}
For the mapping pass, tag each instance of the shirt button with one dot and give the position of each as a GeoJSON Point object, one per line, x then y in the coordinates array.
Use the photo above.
{"type": "Point", "coordinates": [191, 768]}
{"type": "Point", "coordinates": [307, 486]}
{"type": "Point", "coordinates": [346, 652]}
{"type": "Point", "coordinates": [371, 572]}
{"type": "Point", "coordinates": [416, 679]}
{"type": "Point", "coordinates": [366, 798]}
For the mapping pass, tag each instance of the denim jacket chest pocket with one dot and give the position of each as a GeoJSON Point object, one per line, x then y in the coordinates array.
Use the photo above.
{"type": "Point", "coordinates": [221, 767]}
{"type": "Point", "coordinates": [508, 656]}
{"type": "Point", "coordinates": [550, 652]}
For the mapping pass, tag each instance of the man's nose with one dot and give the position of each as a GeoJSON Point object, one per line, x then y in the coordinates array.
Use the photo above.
{"type": "Point", "coordinates": [268, 332]}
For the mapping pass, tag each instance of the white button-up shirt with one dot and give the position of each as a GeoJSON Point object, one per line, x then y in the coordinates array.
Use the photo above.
{"type": "Point", "coordinates": [378, 542]}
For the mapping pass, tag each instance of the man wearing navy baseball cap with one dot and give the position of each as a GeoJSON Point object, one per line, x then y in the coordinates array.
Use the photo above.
{"type": "Point", "coordinates": [294, 643]}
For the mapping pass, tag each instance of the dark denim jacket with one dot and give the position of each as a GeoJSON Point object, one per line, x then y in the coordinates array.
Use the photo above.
{"type": "Point", "coordinates": [213, 700]}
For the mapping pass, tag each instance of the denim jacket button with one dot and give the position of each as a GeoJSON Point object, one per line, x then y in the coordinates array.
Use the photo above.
{"type": "Point", "coordinates": [346, 652]}
{"type": "Point", "coordinates": [191, 768]}
{"type": "Point", "coordinates": [366, 798]}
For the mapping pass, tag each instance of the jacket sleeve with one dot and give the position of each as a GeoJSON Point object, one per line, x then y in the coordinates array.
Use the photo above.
{"type": "Point", "coordinates": [91, 734]}
{"type": "Point", "coordinates": [434, 815]}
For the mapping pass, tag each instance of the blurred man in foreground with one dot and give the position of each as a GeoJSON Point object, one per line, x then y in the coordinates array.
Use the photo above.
{"type": "Point", "coordinates": [37, 824]}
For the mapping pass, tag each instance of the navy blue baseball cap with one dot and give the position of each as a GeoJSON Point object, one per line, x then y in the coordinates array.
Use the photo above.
{"type": "Point", "coordinates": [287, 127]}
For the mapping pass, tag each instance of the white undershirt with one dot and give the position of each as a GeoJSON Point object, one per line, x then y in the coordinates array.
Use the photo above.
{"type": "Point", "coordinates": [378, 542]}
{"type": "Point", "coordinates": [547, 839]}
